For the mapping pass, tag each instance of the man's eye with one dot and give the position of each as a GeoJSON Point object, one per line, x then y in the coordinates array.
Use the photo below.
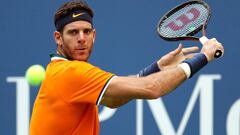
{"type": "Point", "coordinates": [73, 32]}
{"type": "Point", "coordinates": [87, 31]}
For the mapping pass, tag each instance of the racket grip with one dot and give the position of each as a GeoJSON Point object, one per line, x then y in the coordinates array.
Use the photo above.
{"type": "Point", "coordinates": [203, 40]}
{"type": "Point", "coordinates": [218, 52]}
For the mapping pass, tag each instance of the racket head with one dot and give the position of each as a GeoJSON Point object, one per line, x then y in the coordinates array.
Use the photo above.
{"type": "Point", "coordinates": [184, 21]}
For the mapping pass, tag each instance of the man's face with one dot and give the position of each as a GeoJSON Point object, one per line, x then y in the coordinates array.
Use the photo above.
{"type": "Point", "coordinates": [76, 40]}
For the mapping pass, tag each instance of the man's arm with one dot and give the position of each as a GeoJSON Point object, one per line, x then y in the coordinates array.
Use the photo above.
{"type": "Point", "coordinates": [168, 61]}
{"type": "Point", "coordinates": [123, 89]}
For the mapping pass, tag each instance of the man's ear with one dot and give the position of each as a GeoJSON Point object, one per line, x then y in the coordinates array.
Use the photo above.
{"type": "Point", "coordinates": [58, 38]}
{"type": "Point", "coordinates": [94, 35]}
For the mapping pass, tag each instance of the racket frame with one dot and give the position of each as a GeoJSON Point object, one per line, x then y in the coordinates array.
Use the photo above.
{"type": "Point", "coordinates": [189, 36]}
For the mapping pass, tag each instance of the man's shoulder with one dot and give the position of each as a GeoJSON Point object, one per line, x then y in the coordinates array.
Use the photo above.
{"type": "Point", "coordinates": [67, 65]}
{"type": "Point", "coordinates": [70, 63]}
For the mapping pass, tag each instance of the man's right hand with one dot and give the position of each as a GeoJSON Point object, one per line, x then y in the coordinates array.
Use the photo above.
{"type": "Point", "coordinates": [210, 48]}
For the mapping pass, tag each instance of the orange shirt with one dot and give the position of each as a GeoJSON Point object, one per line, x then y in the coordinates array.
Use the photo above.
{"type": "Point", "coordinates": [67, 100]}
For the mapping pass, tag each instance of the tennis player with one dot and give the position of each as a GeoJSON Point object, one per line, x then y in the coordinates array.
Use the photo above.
{"type": "Point", "coordinates": [73, 88]}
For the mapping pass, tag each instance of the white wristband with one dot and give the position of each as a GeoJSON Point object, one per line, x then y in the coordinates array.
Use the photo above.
{"type": "Point", "coordinates": [186, 68]}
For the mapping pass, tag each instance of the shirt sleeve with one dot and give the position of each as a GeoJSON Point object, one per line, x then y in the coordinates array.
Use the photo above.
{"type": "Point", "coordinates": [83, 82]}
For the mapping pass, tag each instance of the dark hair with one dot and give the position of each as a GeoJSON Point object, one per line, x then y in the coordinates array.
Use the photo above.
{"type": "Point", "coordinates": [68, 7]}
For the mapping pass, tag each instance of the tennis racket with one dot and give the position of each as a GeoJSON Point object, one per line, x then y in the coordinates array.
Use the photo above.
{"type": "Point", "coordinates": [185, 21]}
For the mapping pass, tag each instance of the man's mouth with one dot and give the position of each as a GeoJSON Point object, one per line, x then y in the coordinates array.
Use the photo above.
{"type": "Point", "coordinates": [81, 48]}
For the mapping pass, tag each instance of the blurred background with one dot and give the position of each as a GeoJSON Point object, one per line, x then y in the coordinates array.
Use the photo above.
{"type": "Point", "coordinates": [207, 104]}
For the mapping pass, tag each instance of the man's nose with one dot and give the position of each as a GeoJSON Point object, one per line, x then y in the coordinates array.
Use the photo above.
{"type": "Point", "coordinates": [81, 36]}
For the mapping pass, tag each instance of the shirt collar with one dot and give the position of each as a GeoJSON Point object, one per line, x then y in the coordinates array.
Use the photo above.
{"type": "Point", "coordinates": [57, 57]}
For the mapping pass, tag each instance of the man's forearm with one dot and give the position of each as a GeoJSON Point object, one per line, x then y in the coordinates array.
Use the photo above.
{"type": "Point", "coordinates": [166, 81]}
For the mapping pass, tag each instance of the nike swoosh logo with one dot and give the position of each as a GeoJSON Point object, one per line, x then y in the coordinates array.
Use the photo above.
{"type": "Point", "coordinates": [76, 15]}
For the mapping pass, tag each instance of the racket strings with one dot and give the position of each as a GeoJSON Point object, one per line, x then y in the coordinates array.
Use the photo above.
{"type": "Point", "coordinates": [166, 31]}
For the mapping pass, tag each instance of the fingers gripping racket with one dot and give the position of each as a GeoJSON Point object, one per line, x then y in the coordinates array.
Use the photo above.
{"type": "Point", "coordinates": [185, 21]}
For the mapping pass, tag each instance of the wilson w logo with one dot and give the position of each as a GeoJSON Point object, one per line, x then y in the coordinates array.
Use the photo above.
{"type": "Point", "coordinates": [184, 19]}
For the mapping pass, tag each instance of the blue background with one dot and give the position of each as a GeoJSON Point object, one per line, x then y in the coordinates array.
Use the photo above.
{"type": "Point", "coordinates": [126, 42]}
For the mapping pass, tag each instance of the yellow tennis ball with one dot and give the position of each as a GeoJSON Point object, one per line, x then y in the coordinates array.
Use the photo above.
{"type": "Point", "coordinates": [35, 74]}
